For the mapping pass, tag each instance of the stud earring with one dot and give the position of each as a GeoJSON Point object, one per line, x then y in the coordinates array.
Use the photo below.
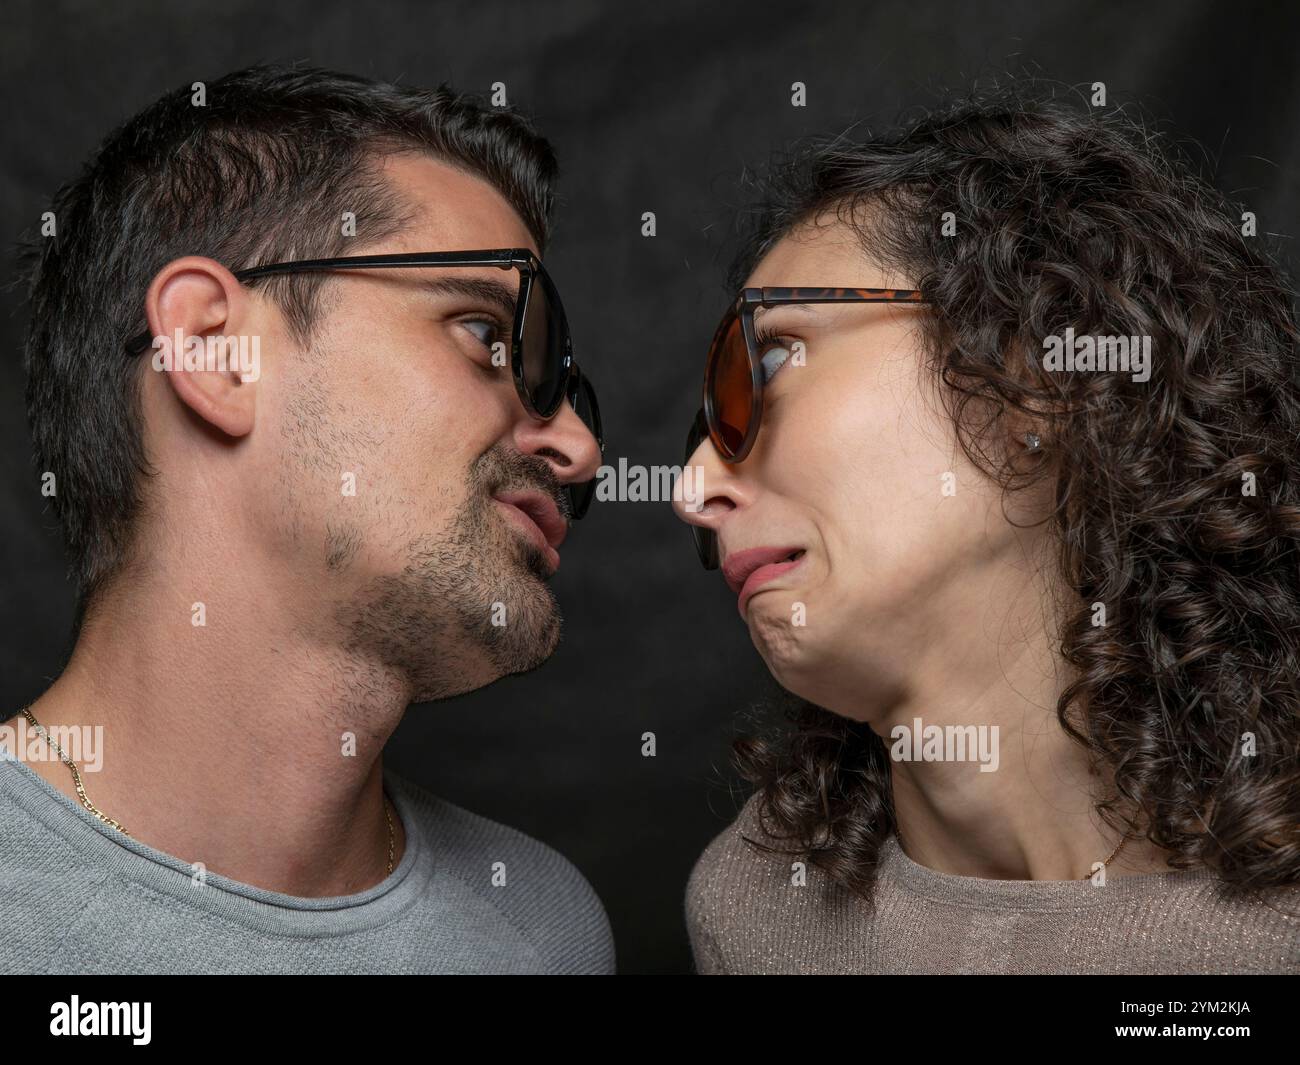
{"type": "Point", "coordinates": [1033, 442]}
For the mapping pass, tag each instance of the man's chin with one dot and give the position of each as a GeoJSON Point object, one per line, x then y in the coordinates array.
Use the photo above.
{"type": "Point", "coordinates": [524, 631]}
{"type": "Point", "coordinates": [538, 654]}
{"type": "Point", "coordinates": [500, 653]}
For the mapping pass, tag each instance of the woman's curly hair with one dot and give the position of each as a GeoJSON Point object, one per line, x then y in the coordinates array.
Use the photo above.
{"type": "Point", "coordinates": [1177, 500]}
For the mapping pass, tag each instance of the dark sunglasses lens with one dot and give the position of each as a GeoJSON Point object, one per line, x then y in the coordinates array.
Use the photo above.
{"type": "Point", "coordinates": [546, 348]}
{"type": "Point", "coordinates": [729, 387]}
{"type": "Point", "coordinates": [706, 541]}
{"type": "Point", "coordinates": [582, 397]}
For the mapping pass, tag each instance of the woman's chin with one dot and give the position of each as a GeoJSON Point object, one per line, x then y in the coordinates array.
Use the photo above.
{"type": "Point", "coordinates": [792, 656]}
{"type": "Point", "coordinates": [812, 665]}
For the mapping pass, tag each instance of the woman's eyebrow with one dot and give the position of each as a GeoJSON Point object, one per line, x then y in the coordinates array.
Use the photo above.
{"type": "Point", "coordinates": [808, 310]}
{"type": "Point", "coordinates": [482, 288]}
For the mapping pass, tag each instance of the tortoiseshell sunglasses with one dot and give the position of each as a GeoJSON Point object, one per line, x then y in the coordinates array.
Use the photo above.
{"type": "Point", "coordinates": [733, 382]}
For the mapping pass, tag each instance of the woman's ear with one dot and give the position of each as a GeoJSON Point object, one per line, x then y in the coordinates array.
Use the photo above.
{"type": "Point", "coordinates": [1026, 420]}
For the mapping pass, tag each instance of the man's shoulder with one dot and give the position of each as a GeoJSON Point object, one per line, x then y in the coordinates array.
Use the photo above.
{"type": "Point", "coordinates": [532, 884]}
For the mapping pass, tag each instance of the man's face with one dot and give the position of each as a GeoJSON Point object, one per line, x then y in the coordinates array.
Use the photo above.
{"type": "Point", "coordinates": [394, 439]}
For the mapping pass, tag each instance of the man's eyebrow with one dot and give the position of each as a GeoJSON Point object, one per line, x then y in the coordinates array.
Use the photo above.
{"type": "Point", "coordinates": [493, 291]}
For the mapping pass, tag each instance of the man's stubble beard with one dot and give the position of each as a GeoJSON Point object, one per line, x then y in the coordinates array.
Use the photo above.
{"type": "Point", "coordinates": [470, 605]}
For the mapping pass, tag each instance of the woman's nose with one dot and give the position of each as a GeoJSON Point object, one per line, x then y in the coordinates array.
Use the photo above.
{"type": "Point", "coordinates": [707, 491]}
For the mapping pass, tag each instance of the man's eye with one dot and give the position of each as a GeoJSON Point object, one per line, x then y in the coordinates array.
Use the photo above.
{"type": "Point", "coordinates": [485, 330]}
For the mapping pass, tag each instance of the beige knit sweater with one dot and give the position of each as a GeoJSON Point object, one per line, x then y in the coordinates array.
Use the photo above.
{"type": "Point", "coordinates": [745, 915]}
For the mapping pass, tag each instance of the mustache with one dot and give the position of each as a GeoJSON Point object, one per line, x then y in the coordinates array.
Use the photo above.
{"type": "Point", "coordinates": [501, 470]}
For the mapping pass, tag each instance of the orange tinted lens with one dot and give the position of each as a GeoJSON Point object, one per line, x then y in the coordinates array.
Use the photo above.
{"type": "Point", "coordinates": [730, 387]}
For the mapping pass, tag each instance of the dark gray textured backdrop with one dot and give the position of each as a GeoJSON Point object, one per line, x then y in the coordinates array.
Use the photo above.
{"type": "Point", "coordinates": [652, 107]}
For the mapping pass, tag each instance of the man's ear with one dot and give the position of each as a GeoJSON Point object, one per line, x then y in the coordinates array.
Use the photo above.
{"type": "Point", "coordinates": [213, 369]}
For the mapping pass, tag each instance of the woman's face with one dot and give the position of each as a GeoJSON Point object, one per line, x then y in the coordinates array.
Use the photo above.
{"type": "Point", "coordinates": [906, 551]}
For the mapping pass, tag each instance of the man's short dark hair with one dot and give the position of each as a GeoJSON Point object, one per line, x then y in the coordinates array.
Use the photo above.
{"type": "Point", "coordinates": [259, 170]}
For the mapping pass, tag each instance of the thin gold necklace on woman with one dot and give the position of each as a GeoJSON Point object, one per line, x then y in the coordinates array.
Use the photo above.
{"type": "Point", "coordinates": [43, 732]}
{"type": "Point", "coordinates": [1108, 860]}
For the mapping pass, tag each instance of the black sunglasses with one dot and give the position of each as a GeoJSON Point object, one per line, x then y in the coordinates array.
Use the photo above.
{"type": "Point", "coordinates": [541, 348]}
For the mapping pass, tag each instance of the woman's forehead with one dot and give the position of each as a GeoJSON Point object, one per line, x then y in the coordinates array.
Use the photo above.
{"type": "Point", "coordinates": [825, 253]}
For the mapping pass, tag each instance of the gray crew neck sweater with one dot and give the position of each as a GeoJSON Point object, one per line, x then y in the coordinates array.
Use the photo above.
{"type": "Point", "coordinates": [76, 896]}
{"type": "Point", "coordinates": [745, 915]}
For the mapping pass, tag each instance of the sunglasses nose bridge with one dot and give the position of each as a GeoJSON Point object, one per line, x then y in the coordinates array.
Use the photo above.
{"type": "Point", "coordinates": [703, 483]}
{"type": "Point", "coordinates": [706, 546]}
{"type": "Point", "coordinates": [581, 397]}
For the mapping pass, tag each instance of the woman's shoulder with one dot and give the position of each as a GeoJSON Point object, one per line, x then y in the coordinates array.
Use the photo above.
{"type": "Point", "coordinates": [732, 853]}
{"type": "Point", "coordinates": [744, 880]}
{"type": "Point", "coordinates": [727, 853]}
{"type": "Point", "coordinates": [753, 905]}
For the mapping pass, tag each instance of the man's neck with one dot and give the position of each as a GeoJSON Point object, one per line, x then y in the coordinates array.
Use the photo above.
{"type": "Point", "coordinates": [243, 744]}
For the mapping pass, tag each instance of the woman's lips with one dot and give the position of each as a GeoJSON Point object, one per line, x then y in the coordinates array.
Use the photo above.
{"type": "Point", "coordinates": [747, 571]}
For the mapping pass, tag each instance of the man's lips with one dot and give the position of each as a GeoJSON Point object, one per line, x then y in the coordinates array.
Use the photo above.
{"type": "Point", "coordinates": [746, 571]}
{"type": "Point", "coordinates": [536, 515]}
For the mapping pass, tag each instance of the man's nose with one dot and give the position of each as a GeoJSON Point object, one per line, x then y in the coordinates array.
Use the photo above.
{"type": "Point", "coordinates": [564, 442]}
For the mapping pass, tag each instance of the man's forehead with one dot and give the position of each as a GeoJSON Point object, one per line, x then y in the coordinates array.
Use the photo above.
{"type": "Point", "coordinates": [451, 210]}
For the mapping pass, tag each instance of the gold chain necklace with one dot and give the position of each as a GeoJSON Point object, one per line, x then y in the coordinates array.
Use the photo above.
{"type": "Point", "coordinates": [1108, 860]}
{"type": "Point", "coordinates": [43, 732]}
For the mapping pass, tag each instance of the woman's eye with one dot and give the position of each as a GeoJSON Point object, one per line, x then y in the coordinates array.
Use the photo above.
{"type": "Point", "coordinates": [775, 355]}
